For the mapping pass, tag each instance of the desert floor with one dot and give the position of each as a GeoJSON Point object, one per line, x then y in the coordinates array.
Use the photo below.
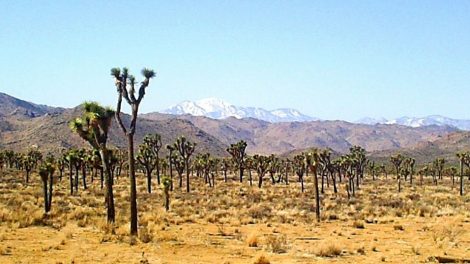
{"type": "Point", "coordinates": [235, 223]}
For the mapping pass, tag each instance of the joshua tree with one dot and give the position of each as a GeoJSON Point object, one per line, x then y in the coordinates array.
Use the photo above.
{"type": "Point", "coordinates": [238, 153]}
{"type": "Point", "coordinates": [438, 165]}
{"type": "Point", "coordinates": [2, 160]}
{"type": "Point", "coordinates": [166, 184]}
{"type": "Point", "coordinates": [28, 164]}
{"type": "Point", "coordinates": [250, 164]}
{"type": "Point", "coordinates": [464, 159]}
{"type": "Point", "coordinates": [125, 85]}
{"type": "Point", "coordinates": [71, 158]}
{"type": "Point", "coordinates": [46, 171]}
{"type": "Point", "coordinates": [179, 164]}
{"type": "Point", "coordinates": [383, 170]}
{"type": "Point", "coordinates": [412, 163]}
{"type": "Point", "coordinates": [287, 165]}
{"type": "Point", "coordinates": [61, 165]}
{"type": "Point", "coordinates": [300, 168]}
{"type": "Point", "coordinates": [148, 157]}
{"type": "Point", "coordinates": [224, 165]}
{"type": "Point", "coordinates": [451, 171]}
{"type": "Point", "coordinates": [262, 165]}
{"type": "Point", "coordinates": [274, 165]}
{"type": "Point", "coordinates": [93, 127]}
{"type": "Point", "coordinates": [359, 155]}
{"type": "Point", "coordinates": [171, 149]}
{"type": "Point", "coordinates": [185, 149]}
{"type": "Point", "coordinates": [397, 161]}
{"type": "Point", "coordinates": [312, 160]}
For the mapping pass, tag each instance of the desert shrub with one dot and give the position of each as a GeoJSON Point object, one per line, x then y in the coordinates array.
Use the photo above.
{"type": "Point", "coordinates": [328, 250]}
{"type": "Point", "coordinates": [358, 224]}
{"type": "Point", "coordinates": [252, 240]}
{"type": "Point", "coordinates": [259, 211]}
{"type": "Point", "coordinates": [398, 228]}
{"type": "Point", "coordinates": [277, 243]}
{"type": "Point", "coordinates": [262, 260]}
{"type": "Point", "coordinates": [145, 235]}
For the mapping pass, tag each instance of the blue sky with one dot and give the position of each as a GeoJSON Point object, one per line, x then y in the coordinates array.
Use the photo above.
{"type": "Point", "coordinates": [329, 59]}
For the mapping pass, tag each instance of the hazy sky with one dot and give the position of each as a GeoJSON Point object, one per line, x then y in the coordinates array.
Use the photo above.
{"type": "Point", "coordinates": [329, 59]}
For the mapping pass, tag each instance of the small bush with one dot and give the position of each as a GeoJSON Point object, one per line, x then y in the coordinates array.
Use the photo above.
{"type": "Point", "coordinates": [398, 227]}
{"type": "Point", "coordinates": [328, 250]}
{"type": "Point", "coordinates": [252, 240]}
{"type": "Point", "coordinates": [262, 260]}
{"type": "Point", "coordinates": [277, 244]}
{"type": "Point", "coordinates": [358, 224]}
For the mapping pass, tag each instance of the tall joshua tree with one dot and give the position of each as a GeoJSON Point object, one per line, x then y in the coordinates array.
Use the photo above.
{"type": "Point", "coordinates": [237, 151]}
{"type": "Point", "coordinates": [185, 149]}
{"type": "Point", "coordinates": [125, 85]}
{"type": "Point", "coordinates": [93, 127]}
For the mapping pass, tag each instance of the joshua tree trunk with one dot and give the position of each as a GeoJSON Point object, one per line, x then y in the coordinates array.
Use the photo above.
{"type": "Point", "coordinates": [49, 201]}
{"type": "Point", "coordinates": [317, 193]}
{"type": "Point", "coordinates": [101, 178]}
{"type": "Point", "coordinates": [149, 180]}
{"type": "Point", "coordinates": [46, 199]}
{"type": "Point", "coordinates": [84, 176]}
{"type": "Point", "coordinates": [133, 187]}
{"type": "Point", "coordinates": [461, 177]}
{"type": "Point", "coordinates": [167, 199]}
{"type": "Point", "coordinates": [250, 177]}
{"type": "Point", "coordinates": [171, 172]}
{"type": "Point", "coordinates": [187, 175]}
{"type": "Point", "coordinates": [109, 198]}
{"type": "Point", "coordinates": [76, 178]}
{"type": "Point", "coordinates": [71, 177]}
{"type": "Point", "coordinates": [157, 167]}
{"type": "Point", "coordinates": [333, 178]}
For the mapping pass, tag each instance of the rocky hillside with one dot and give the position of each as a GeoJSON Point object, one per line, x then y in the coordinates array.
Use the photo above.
{"type": "Point", "coordinates": [24, 125]}
{"type": "Point", "coordinates": [264, 137]}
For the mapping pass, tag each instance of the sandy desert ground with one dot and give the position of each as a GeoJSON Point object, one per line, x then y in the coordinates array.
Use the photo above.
{"type": "Point", "coordinates": [235, 223]}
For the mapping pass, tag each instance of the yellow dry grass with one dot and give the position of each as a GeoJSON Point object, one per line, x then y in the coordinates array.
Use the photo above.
{"type": "Point", "coordinates": [234, 223]}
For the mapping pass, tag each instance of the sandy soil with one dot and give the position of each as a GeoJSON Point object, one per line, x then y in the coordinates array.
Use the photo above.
{"type": "Point", "coordinates": [235, 223]}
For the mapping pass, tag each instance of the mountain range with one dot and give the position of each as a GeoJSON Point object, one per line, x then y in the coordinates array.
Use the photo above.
{"type": "Point", "coordinates": [219, 109]}
{"type": "Point", "coordinates": [24, 124]}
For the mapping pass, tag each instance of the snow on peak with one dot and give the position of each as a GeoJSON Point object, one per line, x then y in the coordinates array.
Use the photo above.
{"type": "Point", "coordinates": [219, 109]}
{"type": "Point", "coordinates": [436, 120]}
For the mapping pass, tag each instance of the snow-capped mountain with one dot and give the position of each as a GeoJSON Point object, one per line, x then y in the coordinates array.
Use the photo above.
{"type": "Point", "coordinates": [420, 121]}
{"type": "Point", "coordinates": [219, 109]}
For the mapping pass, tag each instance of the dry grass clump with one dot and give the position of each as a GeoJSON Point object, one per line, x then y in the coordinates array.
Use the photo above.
{"type": "Point", "coordinates": [358, 224]}
{"type": "Point", "coordinates": [262, 260]}
{"type": "Point", "coordinates": [277, 243]}
{"type": "Point", "coordinates": [145, 235]}
{"type": "Point", "coordinates": [252, 240]}
{"type": "Point", "coordinates": [328, 250]}
{"type": "Point", "coordinates": [398, 227]}
{"type": "Point", "coordinates": [260, 211]}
